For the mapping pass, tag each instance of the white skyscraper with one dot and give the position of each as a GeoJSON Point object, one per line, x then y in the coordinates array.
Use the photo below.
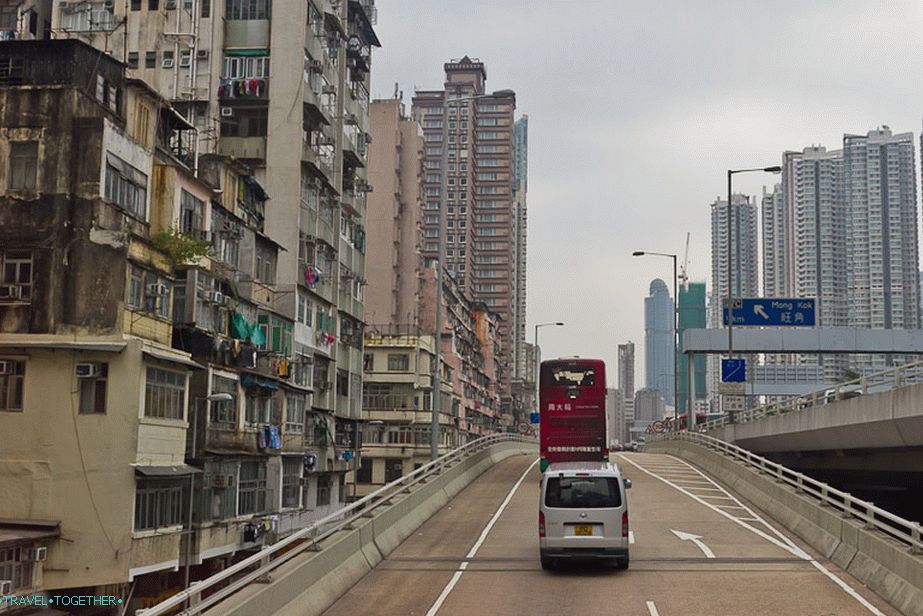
{"type": "Point", "coordinates": [774, 243]}
{"type": "Point", "coordinates": [882, 254]}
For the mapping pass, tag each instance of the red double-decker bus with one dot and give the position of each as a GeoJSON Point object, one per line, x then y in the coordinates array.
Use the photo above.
{"type": "Point", "coordinates": [572, 407]}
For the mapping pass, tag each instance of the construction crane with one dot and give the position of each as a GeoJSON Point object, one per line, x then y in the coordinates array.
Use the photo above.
{"type": "Point", "coordinates": [682, 270]}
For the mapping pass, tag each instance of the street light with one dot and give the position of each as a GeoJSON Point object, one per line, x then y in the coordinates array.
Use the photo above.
{"type": "Point", "coordinates": [440, 259]}
{"type": "Point", "coordinates": [730, 269]}
{"type": "Point", "coordinates": [641, 253]}
{"type": "Point", "coordinates": [218, 397]}
{"type": "Point", "coordinates": [538, 355]}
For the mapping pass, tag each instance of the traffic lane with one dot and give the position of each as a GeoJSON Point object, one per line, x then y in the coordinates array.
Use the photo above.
{"type": "Point", "coordinates": [410, 579]}
{"type": "Point", "coordinates": [749, 574]}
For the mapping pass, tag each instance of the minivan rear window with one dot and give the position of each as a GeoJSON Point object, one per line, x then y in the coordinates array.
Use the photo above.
{"type": "Point", "coordinates": [582, 492]}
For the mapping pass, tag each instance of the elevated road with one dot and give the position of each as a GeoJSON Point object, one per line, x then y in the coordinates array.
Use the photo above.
{"type": "Point", "coordinates": [697, 549]}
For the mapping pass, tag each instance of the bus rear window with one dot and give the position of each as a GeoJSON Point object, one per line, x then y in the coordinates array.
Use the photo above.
{"type": "Point", "coordinates": [582, 492]}
{"type": "Point", "coordinates": [573, 376]}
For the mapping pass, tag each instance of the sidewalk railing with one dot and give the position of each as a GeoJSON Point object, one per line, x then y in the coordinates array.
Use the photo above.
{"type": "Point", "coordinates": [872, 517]}
{"type": "Point", "coordinates": [229, 581]}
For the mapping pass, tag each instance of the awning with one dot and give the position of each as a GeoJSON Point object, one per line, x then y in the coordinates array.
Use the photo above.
{"type": "Point", "coordinates": [246, 52]}
{"type": "Point", "coordinates": [17, 531]}
{"type": "Point", "coordinates": [174, 357]}
{"type": "Point", "coordinates": [105, 347]}
{"type": "Point", "coordinates": [180, 470]}
{"type": "Point", "coordinates": [249, 380]}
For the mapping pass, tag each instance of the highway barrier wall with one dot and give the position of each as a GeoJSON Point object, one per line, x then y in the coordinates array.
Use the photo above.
{"type": "Point", "coordinates": [885, 565]}
{"type": "Point", "coordinates": [309, 584]}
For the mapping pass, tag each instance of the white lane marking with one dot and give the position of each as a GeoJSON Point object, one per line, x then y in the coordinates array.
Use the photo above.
{"type": "Point", "coordinates": [696, 539]}
{"type": "Point", "coordinates": [785, 543]}
{"type": "Point", "coordinates": [477, 544]}
{"type": "Point", "coordinates": [631, 537]}
{"type": "Point", "coordinates": [652, 609]}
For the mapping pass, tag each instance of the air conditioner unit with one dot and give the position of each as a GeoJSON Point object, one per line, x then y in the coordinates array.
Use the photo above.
{"type": "Point", "coordinates": [65, 6]}
{"type": "Point", "coordinates": [170, 5]}
{"type": "Point", "coordinates": [216, 297]}
{"type": "Point", "coordinates": [316, 65]}
{"type": "Point", "coordinates": [6, 587]}
{"type": "Point", "coordinates": [227, 112]}
{"type": "Point", "coordinates": [167, 63]}
{"type": "Point", "coordinates": [10, 291]}
{"type": "Point", "coordinates": [36, 555]}
{"type": "Point", "coordinates": [108, 4]}
{"type": "Point", "coordinates": [87, 370]}
{"type": "Point", "coordinates": [185, 60]}
{"type": "Point", "coordinates": [6, 367]}
{"type": "Point", "coordinates": [157, 289]}
{"type": "Point", "coordinates": [328, 90]}
{"type": "Point", "coordinates": [201, 54]}
{"type": "Point", "coordinates": [220, 481]}
{"type": "Point", "coordinates": [352, 119]}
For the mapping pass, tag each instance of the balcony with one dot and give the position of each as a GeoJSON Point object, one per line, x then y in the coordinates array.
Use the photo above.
{"type": "Point", "coordinates": [246, 148]}
{"type": "Point", "coordinates": [246, 90]}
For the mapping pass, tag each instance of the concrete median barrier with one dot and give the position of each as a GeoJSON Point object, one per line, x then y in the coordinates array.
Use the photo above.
{"type": "Point", "coordinates": [311, 582]}
{"type": "Point", "coordinates": [880, 562]}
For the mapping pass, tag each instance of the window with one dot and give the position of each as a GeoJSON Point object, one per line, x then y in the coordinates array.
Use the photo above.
{"type": "Point", "coordinates": [164, 394]}
{"type": "Point", "coordinates": [150, 59]}
{"type": "Point", "coordinates": [304, 314]}
{"type": "Point", "coordinates": [257, 410]}
{"type": "Point", "coordinates": [159, 503]}
{"type": "Point", "coordinates": [14, 566]}
{"type": "Point", "coordinates": [93, 392]}
{"type": "Point", "coordinates": [247, 9]}
{"type": "Point", "coordinates": [23, 165]}
{"type": "Point", "coordinates": [11, 385]}
{"type": "Point", "coordinates": [126, 186]}
{"type": "Point", "coordinates": [15, 274]}
{"type": "Point", "coordinates": [364, 472]}
{"type": "Point", "coordinates": [224, 412]}
{"type": "Point", "coordinates": [153, 5]}
{"type": "Point", "coordinates": [133, 57]}
{"type": "Point", "coordinates": [192, 214]}
{"type": "Point", "coordinates": [399, 362]}
{"type": "Point", "coordinates": [294, 414]}
{"type": "Point", "coordinates": [291, 485]}
{"type": "Point", "coordinates": [246, 67]}
{"type": "Point", "coordinates": [394, 468]}
{"type": "Point", "coordinates": [323, 490]}
{"type": "Point", "coordinates": [206, 8]}
{"type": "Point", "coordinates": [251, 488]}
{"type": "Point", "coordinates": [582, 492]}
{"type": "Point", "coordinates": [91, 17]}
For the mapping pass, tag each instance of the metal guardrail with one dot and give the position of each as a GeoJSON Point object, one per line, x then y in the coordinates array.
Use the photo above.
{"type": "Point", "coordinates": [905, 531]}
{"type": "Point", "coordinates": [232, 579]}
{"type": "Point", "coordinates": [901, 376]}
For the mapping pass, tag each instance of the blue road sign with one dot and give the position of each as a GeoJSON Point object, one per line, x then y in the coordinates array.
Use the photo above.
{"type": "Point", "coordinates": [533, 418]}
{"type": "Point", "coordinates": [771, 311]}
{"type": "Point", "coordinates": [733, 371]}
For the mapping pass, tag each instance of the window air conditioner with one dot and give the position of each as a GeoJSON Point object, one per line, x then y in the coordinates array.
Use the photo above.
{"type": "Point", "coordinates": [328, 90]}
{"type": "Point", "coordinates": [108, 4]}
{"type": "Point", "coordinates": [36, 555]}
{"type": "Point", "coordinates": [185, 61]}
{"type": "Point", "coordinates": [316, 65]}
{"type": "Point", "coordinates": [10, 291]}
{"type": "Point", "coordinates": [157, 289]}
{"type": "Point", "coordinates": [87, 370]}
{"type": "Point", "coordinates": [6, 587]}
{"type": "Point", "coordinates": [227, 112]}
{"type": "Point", "coordinates": [167, 63]}
{"type": "Point", "coordinates": [170, 5]}
{"type": "Point", "coordinates": [65, 6]}
{"type": "Point", "coordinates": [352, 119]}
{"type": "Point", "coordinates": [201, 54]}
{"type": "Point", "coordinates": [216, 297]}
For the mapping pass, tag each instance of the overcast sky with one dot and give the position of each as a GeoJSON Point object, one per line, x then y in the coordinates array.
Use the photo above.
{"type": "Point", "coordinates": [637, 109]}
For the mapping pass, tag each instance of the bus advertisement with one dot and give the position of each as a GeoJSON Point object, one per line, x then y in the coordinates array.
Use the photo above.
{"type": "Point", "coordinates": [572, 409]}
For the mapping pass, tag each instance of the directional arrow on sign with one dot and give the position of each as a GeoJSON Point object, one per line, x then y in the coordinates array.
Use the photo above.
{"type": "Point", "coordinates": [696, 539]}
{"type": "Point", "coordinates": [758, 309]}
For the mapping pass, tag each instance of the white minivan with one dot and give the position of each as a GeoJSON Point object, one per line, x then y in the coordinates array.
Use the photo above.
{"type": "Point", "coordinates": [583, 513]}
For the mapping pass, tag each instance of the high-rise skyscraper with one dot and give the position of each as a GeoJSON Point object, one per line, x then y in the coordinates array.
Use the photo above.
{"type": "Point", "coordinates": [882, 253]}
{"type": "Point", "coordinates": [626, 368]}
{"type": "Point", "coordinates": [658, 340]}
{"type": "Point", "coordinates": [520, 221]}
{"type": "Point", "coordinates": [692, 314]}
{"type": "Point", "coordinates": [775, 242]}
{"type": "Point", "coordinates": [478, 207]}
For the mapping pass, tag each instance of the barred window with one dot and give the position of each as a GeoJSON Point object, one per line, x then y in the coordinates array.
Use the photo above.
{"type": "Point", "coordinates": [246, 67]}
{"type": "Point", "coordinates": [291, 484]}
{"type": "Point", "coordinates": [12, 374]}
{"type": "Point", "coordinates": [224, 412]}
{"type": "Point", "coordinates": [247, 9]}
{"type": "Point", "coordinates": [294, 414]}
{"type": "Point", "coordinates": [159, 503]}
{"type": "Point", "coordinates": [251, 488]}
{"type": "Point", "coordinates": [398, 362]}
{"type": "Point", "coordinates": [164, 394]}
{"type": "Point", "coordinates": [126, 186]}
{"type": "Point", "coordinates": [16, 273]}
{"type": "Point", "coordinates": [15, 567]}
{"type": "Point", "coordinates": [23, 165]}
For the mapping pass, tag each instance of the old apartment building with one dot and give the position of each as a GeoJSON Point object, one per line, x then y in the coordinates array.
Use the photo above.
{"type": "Point", "coordinates": [211, 335]}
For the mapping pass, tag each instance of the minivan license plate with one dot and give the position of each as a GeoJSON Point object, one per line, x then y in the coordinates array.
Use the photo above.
{"type": "Point", "coordinates": [583, 530]}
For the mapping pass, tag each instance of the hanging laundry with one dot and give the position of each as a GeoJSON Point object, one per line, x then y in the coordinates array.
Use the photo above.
{"type": "Point", "coordinates": [261, 439]}
{"type": "Point", "coordinates": [275, 437]}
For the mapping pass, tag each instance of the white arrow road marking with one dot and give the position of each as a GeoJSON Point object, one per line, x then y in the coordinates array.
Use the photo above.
{"type": "Point", "coordinates": [696, 540]}
{"type": "Point", "coordinates": [758, 309]}
{"type": "Point", "coordinates": [652, 609]}
{"type": "Point", "coordinates": [631, 537]}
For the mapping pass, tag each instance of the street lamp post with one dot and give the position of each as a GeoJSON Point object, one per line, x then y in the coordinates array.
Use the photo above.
{"type": "Point", "coordinates": [730, 253]}
{"type": "Point", "coordinates": [440, 259]}
{"type": "Point", "coordinates": [641, 253]}
{"type": "Point", "coordinates": [218, 397]}
{"type": "Point", "coordinates": [538, 355]}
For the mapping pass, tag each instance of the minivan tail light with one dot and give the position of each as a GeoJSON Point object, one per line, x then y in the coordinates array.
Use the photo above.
{"type": "Point", "coordinates": [624, 524]}
{"type": "Point", "coordinates": [541, 524]}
